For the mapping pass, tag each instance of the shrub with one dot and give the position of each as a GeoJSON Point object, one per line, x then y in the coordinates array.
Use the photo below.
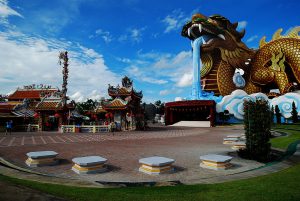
{"type": "Point", "coordinates": [257, 124]}
{"type": "Point", "coordinates": [294, 113]}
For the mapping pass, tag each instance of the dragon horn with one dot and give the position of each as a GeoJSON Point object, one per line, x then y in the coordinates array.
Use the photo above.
{"type": "Point", "coordinates": [234, 25]}
{"type": "Point", "coordinates": [242, 33]}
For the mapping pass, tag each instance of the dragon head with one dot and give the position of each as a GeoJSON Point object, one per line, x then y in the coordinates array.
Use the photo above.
{"type": "Point", "coordinates": [219, 37]}
{"type": "Point", "coordinates": [218, 31]}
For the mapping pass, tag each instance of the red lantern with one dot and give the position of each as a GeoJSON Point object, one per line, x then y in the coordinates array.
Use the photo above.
{"type": "Point", "coordinates": [57, 115]}
{"type": "Point", "coordinates": [111, 115]}
{"type": "Point", "coordinates": [36, 115]}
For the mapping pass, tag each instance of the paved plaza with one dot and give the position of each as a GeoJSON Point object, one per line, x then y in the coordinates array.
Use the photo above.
{"type": "Point", "coordinates": [124, 149]}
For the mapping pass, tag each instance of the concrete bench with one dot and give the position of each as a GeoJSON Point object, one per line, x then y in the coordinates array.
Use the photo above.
{"type": "Point", "coordinates": [238, 145]}
{"type": "Point", "coordinates": [233, 136]}
{"type": "Point", "coordinates": [243, 137]}
{"type": "Point", "coordinates": [41, 158]}
{"type": "Point", "coordinates": [230, 140]}
{"type": "Point", "coordinates": [89, 164]}
{"type": "Point", "coordinates": [215, 162]}
{"type": "Point", "coordinates": [156, 165]}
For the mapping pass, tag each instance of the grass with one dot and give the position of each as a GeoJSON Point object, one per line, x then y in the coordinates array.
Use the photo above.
{"type": "Point", "coordinates": [293, 131]}
{"type": "Point", "coordinates": [283, 185]}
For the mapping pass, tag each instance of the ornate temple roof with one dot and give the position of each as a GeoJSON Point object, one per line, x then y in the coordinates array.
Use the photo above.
{"type": "Point", "coordinates": [21, 94]}
{"type": "Point", "coordinates": [100, 109]}
{"type": "Point", "coordinates": [6, 106]}
{"type": "Point", "coordinates": [7, 109]}
{"type": "Point", "coordinates": [50, 102]}
{"type": "Point", "coordinates": [123, 91]}
{"type": "Point", "coordinates": [49, 105]}
{"type": "Point", "coordinates": [117, 103]}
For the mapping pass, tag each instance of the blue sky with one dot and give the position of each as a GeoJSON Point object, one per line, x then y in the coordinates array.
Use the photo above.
{"type": "Point", "coordinates": [108, 39]}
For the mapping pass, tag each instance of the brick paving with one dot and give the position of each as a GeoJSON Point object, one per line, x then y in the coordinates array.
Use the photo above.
{"type": "Point", "coordinates": [24, 138]}
{"type": "Point", "coordinates": [124, 149]}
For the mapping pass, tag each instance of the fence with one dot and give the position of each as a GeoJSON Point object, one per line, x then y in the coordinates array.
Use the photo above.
{"type": "Point", "coordinates": [84, 129]}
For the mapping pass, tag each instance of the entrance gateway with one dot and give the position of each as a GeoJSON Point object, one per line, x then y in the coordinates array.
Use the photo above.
{"type": "Point", "coordinates": [192, 110]}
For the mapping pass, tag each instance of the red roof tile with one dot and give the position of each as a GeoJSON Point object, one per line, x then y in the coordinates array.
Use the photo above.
{"type": "Point", "coordinates": [116, 104]}
{"type": "Point", "coordinates": [6, 106]}
{"type": "Point", "coordinates": [48, 106]}
{"type": "Point", "coordinates": [31, 94]}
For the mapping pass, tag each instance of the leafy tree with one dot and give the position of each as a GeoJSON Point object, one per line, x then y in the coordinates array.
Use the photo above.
{"type": "Point", "coordinates": [88, 105]}
{"type": "Point", "coordinates": [257, 124]}
{"type": "Point", "coordinates": [3, 98]}
{"type": "Point", "coordinates": [278, 114]}
{"type": "Point", "coordinates": [160, 107]}
{"type": "Point", "coordinates": [294, 113]}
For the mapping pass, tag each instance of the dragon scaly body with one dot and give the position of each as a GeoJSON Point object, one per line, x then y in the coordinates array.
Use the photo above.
{"type": "Point", "coordinates": [275, 64]}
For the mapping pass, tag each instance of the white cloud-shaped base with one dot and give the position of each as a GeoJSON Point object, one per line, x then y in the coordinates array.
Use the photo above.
{"type": "Point", "coordinates": [234, 103]}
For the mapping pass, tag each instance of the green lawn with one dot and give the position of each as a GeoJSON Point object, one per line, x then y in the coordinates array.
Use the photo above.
{"type": "Point", "coordinates": [293, 131]}
{"type": "Point", "coordinates": [283, 185]}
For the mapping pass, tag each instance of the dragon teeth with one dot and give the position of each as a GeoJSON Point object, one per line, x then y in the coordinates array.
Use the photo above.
{"type": "Point", "coordinates": [200, 27]}
{"type": "Point", "coordinates": [189, 32]}
{"type": "Point", "coordinates": [221, 36]}
{"type": "Point", "coordinates": [210, 41]}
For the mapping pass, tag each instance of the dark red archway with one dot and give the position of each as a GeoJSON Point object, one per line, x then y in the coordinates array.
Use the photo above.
{"type": "Point", "coordinates": [193, 110]}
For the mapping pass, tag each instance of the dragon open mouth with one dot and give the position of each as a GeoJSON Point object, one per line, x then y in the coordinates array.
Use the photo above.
{"type": "Point", "coordinates": [207, 28]}
{"type": "Point", "coordinates": [208, 34]}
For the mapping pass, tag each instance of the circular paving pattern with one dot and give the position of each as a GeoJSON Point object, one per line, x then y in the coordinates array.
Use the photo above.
{"type": "Point", "coordinates": [124, 149]}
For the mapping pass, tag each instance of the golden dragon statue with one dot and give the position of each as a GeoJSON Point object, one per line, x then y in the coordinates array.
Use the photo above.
{"type": "Point", "coordinates": [275, 65]}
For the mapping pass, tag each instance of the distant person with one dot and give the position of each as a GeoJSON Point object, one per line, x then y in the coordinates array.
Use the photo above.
{"type": "Point", "coordinates": [8, 127]}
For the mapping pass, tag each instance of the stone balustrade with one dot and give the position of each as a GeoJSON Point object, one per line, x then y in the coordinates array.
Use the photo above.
{"type": "Point", "coordinates": [84, 129]}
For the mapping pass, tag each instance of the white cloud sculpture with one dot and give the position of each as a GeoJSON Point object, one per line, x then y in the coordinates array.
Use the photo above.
{"type": "Point", "coordinates": [234, 102]}
{"type": "Point", "coordinates": [285, 103]}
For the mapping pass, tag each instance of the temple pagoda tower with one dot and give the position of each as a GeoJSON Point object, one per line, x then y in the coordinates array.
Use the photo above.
{"type": "Point", "coordinates": [125, 106]}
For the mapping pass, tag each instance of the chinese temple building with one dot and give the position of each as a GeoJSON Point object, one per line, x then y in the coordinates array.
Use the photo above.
{"type": "Point", "coordinates": [124, 108]}
{"type": "Point", "coordinates": [39, 105]}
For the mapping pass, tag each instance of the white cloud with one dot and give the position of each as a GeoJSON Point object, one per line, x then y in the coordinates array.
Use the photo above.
{"type": "Point", "coordinates": [143, 76]}
{"type": "Point", "coordinates": [28, 60]}
{"type": "Point", "coordinates": [242, 25]}
{"type": "Point", "coordinates": [6, 11]}
{"type": "Point", "coordinates": [105, 35]}
{"type": "Point", "coordinates": [133, 34]}
{"type": "Point", "coordinates": [185, 80]}
{"type": "Point", "coordinates": [124, 60]}
{"type": "Point", "coordinates": [174, 21]}
{"type": "Point", "coordinates": [169, 61]}
{"type": "Point", "coordinates": [252, 38]}
{"type": "Point", "coordinates": [162, 68]}
{"type": "Point", "coordinates": [179, 99]}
